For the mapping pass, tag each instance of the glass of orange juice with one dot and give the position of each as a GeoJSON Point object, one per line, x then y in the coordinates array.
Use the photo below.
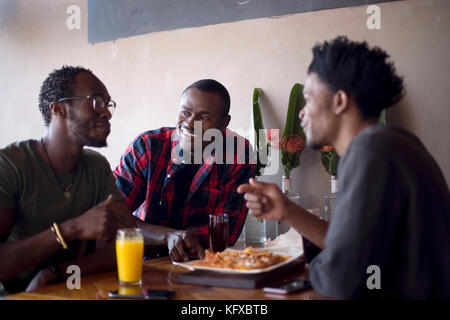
{"type": "Point", "coordinates": [130, 254]}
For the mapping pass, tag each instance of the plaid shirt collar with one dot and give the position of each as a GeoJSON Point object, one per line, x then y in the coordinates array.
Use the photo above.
{"type": "Point", "coordinates": [177, 162]}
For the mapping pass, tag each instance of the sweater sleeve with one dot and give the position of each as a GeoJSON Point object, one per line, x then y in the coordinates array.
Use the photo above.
{"type": "Point", "coordinates": [362, 228]}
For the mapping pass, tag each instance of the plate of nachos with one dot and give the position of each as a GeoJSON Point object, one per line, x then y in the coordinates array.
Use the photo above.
{"type": "Point", "coordinates": [246, 261]}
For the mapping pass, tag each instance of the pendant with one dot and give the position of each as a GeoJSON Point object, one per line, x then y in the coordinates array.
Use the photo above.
{"type": "Point", "coordinates": [67, 195]}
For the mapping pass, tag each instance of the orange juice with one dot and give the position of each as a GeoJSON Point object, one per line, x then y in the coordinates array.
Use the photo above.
{"type": "Point", "coordinates": [130, 290]}
{"type": "Point", "coordinates": [130, 253]}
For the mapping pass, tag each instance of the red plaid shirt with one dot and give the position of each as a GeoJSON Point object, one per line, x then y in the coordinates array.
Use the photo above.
{"type": "Point", "coordinates": [146, 172]}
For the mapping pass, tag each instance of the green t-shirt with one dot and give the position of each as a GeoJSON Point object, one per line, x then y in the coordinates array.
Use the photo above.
{"type": "Point", "coordinates": [28, 185]}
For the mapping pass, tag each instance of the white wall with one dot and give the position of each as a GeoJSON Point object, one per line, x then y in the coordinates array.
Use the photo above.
{"type": "Point", "coordinates": [146, 74]}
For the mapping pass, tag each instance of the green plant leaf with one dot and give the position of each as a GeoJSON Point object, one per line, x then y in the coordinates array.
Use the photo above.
{"type": "Point", "coordinates": [296, 103]}
{"type": "Point", "coordinates": [330, 161]}
{"type": "Point", "coordinates": [292, 127]}
{"type": "Point", "coordinates": [257, 125]}
{"type": "Point", "coordinates": [325, 160]}
{"type": "Point", "coordinates": [334, 160]}
{"type": "Point", "coordinates": [257, 116]}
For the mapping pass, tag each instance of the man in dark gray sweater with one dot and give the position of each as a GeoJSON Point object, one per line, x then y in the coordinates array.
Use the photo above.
{"type": "Point", "coordinates": [390, 234]}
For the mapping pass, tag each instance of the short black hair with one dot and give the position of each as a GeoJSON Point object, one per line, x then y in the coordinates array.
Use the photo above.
{"type": "Point", "coordinates": [360, 71]}
{"type": "Point", "coordinates": [210, 85]}
{"type": "Point", "coordinates": [58, 84]}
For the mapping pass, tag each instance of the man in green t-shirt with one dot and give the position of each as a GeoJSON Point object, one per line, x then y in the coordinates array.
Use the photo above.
{"type": "Point", "coordinates": [56, 198]}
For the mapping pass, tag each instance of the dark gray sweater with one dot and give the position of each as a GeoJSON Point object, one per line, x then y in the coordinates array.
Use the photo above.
{"type": "Point", "coordinates": [392, 211]}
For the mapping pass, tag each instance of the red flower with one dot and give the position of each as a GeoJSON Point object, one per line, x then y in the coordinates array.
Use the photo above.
{"type": "Point", "coordinates": [273, 138]}
{"type": "Point", "coordinates": [293, 144]}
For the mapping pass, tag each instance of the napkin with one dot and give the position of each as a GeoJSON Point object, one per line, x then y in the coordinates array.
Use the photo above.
{"type": "Point", "coordinates": [288, 243]}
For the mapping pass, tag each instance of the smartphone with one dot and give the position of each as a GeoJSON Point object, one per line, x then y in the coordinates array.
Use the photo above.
{"type": "Point", "coordinates": [146, 294]}
{"type": "Point", "coordinates": [159, 294]}
{"type": "Point", "coordinates": [289, 287]}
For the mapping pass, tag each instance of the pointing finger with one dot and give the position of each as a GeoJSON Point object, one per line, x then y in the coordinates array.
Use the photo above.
{"type": "Point", "coordinates": [243, 188]}
{"type": "Point", "coordinates": [258, 184]}
{"type": "Point", "coordinates": [255, 198]}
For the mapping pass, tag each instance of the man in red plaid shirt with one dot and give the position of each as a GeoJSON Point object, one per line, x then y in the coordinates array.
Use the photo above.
{"type": "Point", "coordinates": [171, 182]}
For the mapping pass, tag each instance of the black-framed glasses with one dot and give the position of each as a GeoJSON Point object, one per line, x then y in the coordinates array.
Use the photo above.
{"type": "Point", "coordinates": [98, 103]}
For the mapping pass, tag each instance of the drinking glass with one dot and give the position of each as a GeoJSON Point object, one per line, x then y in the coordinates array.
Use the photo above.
{"type": "Point", "coordinates": [218, 232]}
{"type": "Point", "coordinates": [130, 254]}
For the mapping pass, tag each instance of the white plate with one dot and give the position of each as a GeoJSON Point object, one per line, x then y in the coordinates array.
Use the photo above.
{"type": "Point", "coordinates": [189, 265]}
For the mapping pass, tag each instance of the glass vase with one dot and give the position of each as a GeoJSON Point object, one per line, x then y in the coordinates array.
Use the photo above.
{"type": "Point", "coordinates": [255, 232]}
{"type": "Point", "coordinates": [330, 199]}
{"type": "Point", "coordinates": [286, 187]}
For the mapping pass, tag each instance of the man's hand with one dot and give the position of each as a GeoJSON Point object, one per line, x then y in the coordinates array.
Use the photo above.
{"type": "Point", "coordinates": [97, 223]}
{"type": "Point", "coordinates": [122, 214]}
{"type": "Point", "coordinates": [265, 200]}
{"type": "Point", "coordinates": [184, 243]}
{"type": "Point", "coordinates": [41, 279]}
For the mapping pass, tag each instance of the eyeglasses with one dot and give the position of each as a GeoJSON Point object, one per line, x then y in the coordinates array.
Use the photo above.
{"type": "Point", "coordinates": [98, 103]}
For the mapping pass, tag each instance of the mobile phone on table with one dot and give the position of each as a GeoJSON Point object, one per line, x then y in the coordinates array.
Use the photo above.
{"type": "Point", "coordinates": [159, 294]}
{"type": "Point", "coordinates": [289, 287]}
{"type": "Point", "coordinates": [146, 294]}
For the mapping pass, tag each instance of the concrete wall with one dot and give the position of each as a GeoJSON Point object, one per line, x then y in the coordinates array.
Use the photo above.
{"type": "Point", "coordinates": [146, 74]}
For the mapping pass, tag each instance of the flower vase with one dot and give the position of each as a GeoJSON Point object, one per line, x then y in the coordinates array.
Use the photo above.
{"type": "Point", "coordinates": [286, 187]}
{"type": "Point", "coordinates": [255, 234]}
{"type": "Point", "coordinates": [330, 199]}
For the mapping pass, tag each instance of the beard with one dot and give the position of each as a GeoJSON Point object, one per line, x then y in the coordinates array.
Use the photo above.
{"type": "Point", "coordinates": [81, 129]}
{"type": "Point", "coordinates": [313, 141]}
{"type": "Point", "coordinates": [314, 144]}
{"type": "Point", "coordinates": [91, 142]}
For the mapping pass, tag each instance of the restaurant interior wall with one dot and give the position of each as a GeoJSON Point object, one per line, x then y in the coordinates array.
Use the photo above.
{"type": "Point", "coordinates": [145, 74]}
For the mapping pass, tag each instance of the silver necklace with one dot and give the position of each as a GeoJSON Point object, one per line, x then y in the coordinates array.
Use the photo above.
{"type": "Point", "coordinates": [67, 189]}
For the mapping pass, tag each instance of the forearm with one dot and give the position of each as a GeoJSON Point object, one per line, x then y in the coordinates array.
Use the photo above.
{"type": "Point", "coordinates": [23, 255]}
{"type": "Point", "coordinates": [69, 230]}
{"type": "Point", "coordinates": [17, 257]}
{"type": "Point", "coordinates": [307, 224]}
{"type": "Point", "coordinates": [153, 234]}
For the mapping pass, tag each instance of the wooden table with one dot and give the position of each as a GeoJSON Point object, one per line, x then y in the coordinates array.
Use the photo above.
{"type": "Point", "coordinates": [161, 274]}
